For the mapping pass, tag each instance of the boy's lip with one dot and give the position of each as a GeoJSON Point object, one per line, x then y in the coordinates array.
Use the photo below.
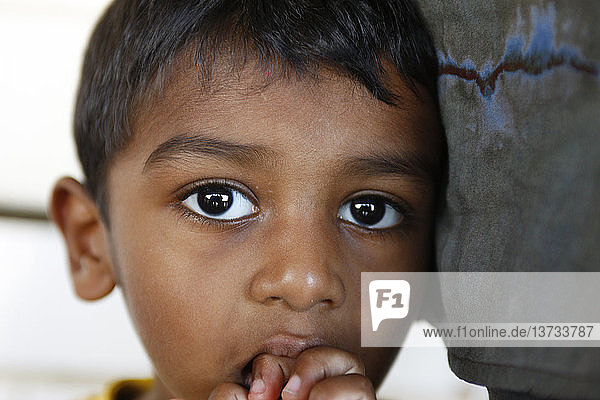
{"type": "Point", "coordinates": [280, 345]}
{"type": "Point", "coordinates": [286, 345]}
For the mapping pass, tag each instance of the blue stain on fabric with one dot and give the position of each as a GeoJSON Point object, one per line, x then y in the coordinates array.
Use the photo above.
{"type": "Point", "coordinates": [468, 64]}
{"type": "Point", "coordinates": [539, 57]}
{"type": "Point", "coordinates": [541, 48]}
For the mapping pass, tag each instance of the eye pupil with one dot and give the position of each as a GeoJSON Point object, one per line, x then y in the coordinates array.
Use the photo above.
{"type": "Point", "coordinates": [215, 200]}
{"type": "Point", "coordinates": [368, 210]}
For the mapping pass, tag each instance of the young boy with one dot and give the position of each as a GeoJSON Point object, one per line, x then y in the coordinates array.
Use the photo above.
{"type": "Point", "coordinates": [245, 161]}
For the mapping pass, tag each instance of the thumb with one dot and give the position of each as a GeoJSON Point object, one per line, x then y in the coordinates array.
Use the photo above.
{"type": "Point", "coordinates": [317, 364]}
{"type": "Point", "coordinates": [269, 374]}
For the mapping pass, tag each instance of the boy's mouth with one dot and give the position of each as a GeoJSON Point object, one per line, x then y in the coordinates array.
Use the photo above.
{"type": "Point", "coordinates": [280, 345]}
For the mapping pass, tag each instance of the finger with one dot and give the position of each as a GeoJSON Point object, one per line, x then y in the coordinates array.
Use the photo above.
{"type": "Point", "coordinates": [269, 373]}
{"type": "Point", "coordinates": [343, 387]}
{"type": "Point", "coordinates": [229, 391]}
{"type": "Point", "coordinates": [318, 363]}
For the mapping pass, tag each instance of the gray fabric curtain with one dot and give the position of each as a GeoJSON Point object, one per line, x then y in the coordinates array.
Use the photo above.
{"type": "Point", "coordinates": [520, 101]}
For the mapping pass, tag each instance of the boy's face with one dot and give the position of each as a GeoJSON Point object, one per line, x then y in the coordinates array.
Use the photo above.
{"type": "Point", "coordinates": [240, 220]}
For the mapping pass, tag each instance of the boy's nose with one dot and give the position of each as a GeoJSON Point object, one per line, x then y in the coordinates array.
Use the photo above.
{"type": "Point", "coordinates": [300, 271]}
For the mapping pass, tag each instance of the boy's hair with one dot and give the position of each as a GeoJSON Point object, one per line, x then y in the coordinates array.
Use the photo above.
{"type": "Point", "coordinates": [137, 41]}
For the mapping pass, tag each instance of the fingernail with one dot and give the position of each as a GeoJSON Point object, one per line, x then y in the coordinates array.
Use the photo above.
{"type": "Point", "coordinates": [293, 385]}
{"type": "Point", "coordinates": [257, 387]}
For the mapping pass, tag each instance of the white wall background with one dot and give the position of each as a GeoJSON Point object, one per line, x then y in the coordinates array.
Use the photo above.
{"type": "Point", "coordinates": [53, 346]}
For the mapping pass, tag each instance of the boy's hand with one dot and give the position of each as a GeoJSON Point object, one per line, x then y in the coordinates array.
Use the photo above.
{"type": "Point", "coordinates": [327, 373]}
{"type": "Point", "coordinates": [319, 373]}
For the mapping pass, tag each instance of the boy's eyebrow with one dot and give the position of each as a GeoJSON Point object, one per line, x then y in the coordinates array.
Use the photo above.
{"type": "Point", "coordinates": [404, 164]}
{"type": "Point", "coordinates": [184, 145]}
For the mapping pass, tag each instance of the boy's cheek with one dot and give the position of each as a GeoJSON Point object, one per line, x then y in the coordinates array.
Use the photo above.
{"type": "Point", "coordinates": [185, 319]}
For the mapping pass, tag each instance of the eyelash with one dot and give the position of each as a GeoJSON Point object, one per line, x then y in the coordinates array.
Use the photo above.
{"type": "Point", "coordinates": [188, 190]}
{"type": "Point", "coordinates": [398, 204]}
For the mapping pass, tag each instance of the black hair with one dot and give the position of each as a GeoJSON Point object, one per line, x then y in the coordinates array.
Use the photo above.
{"type": "Point", "coordinates": [137, 41]}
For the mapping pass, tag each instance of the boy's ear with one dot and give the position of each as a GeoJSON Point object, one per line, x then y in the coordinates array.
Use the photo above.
{"type": "Point", "coordinates": [78, 218]}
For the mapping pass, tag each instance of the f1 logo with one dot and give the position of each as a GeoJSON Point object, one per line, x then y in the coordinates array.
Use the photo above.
{"type": "Point", "coordinates": [389, 299]}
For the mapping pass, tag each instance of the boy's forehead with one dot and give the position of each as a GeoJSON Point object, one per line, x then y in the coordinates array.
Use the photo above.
{"type": "Point", "coordinates": [245, 107]}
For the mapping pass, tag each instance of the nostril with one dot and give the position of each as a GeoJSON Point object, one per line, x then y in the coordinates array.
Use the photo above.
{"type": "Point", "coordinates": [326, 303]}
{"type": "Point", "coordinates": [299, 289]}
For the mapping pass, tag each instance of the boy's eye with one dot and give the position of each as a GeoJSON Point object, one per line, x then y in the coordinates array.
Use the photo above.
{"type": "Point", "coordinates": [219, 201]}
{"type": "Point", "coordinates": [371, 211]}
